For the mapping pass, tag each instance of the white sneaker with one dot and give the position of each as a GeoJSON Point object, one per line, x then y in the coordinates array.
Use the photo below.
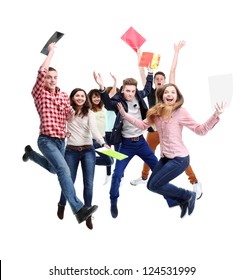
{"type": "Point", "coordinates": [138, 181]}
{"type": "Point", "coordinates": [107, 179]}
{"type": "Point", "coordinates": [197, 188]}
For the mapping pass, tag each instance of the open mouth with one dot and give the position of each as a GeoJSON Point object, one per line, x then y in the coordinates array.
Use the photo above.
{"type": "Point", "coordinates": [169, 99]}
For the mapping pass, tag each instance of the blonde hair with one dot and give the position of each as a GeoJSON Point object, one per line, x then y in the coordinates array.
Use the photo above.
{"type": "Point", "coordinates": [160, 109]}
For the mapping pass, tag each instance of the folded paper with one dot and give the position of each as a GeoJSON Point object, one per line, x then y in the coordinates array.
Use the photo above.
{"type": "Point", "coordinates": [54, 38]}
{"type": "Point", "coordinates": [149, 59]}
{"type": "Point", "coordinates": [133, 39]}
{"type": "Point", "coordinates": [111, 153]}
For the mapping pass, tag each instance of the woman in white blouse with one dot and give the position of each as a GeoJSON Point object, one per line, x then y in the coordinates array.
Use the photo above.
{"type": "Point", "coordinates": [80, 134]}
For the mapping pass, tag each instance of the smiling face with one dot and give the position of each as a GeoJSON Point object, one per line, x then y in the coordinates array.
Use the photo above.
{"type": "Point", "coordinates": [95, 99]}
{"type": "Point", "coordinates": [51, 80]}
{"type": "Point", "coordinates": [170, 95]}
{"type": "Point", "coordinates": [79, 98]}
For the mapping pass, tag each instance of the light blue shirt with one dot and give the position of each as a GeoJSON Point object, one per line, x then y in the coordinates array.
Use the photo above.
{"type": "Point", "coordinates": [110, 119]}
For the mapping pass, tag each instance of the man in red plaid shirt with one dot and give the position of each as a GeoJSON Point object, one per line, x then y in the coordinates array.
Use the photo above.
{"type": "Point", "coordinates": [53, 107]}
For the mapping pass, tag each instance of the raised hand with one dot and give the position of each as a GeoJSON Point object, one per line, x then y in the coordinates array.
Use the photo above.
{"type": "Point", "coordinates": [51, 47]}
{"type": "Point", "coordinates": [98, 80]}
{"type": "Point", "coordinates": [219, 109]}
{"type": "Point", "coordinates": [179, 46]}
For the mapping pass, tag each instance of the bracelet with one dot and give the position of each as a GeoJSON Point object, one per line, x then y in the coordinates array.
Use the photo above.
{"type": "Point", "coordinates": [101, 91]}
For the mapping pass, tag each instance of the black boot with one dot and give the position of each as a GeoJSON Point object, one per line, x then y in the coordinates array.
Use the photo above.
{"type": "Point", "coordinates": [26, 155]}
{"type": "Point", "coordinates": [85, 212]}
{"type": "Point", "coordinates": [60, 211]}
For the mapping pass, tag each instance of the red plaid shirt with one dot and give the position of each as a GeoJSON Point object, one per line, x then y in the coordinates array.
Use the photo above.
{"type": "Point", "coordinates": [52, 108]}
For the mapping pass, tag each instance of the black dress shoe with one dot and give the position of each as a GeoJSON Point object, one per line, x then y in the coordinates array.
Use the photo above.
{"type": "Point", "coordinates": [26, 155]}
{"type": "Point", "coordinates": [184, 207]}
{"type": "Point", "coordinates": [85, 212]}
{"type": "Point", "coordinates": [60, 211]}
{"type": "Point", "coordinates": [89, 223]}
{"type": "Point", "coordinates": [114, 211]}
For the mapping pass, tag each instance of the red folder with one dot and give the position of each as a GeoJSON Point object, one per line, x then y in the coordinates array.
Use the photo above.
{"type": "Point", "coordinates": [133, 39]}
{"type": "Point", "coordinates": [149, 59]}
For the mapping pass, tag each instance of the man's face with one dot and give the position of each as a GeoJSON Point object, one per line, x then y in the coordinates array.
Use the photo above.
{"type": "Point", "coordinates": [159, 81]}
{"type": "Point", "coordinates": [51, 80]}
{"type": "Point", "coordinates": [129, 92]}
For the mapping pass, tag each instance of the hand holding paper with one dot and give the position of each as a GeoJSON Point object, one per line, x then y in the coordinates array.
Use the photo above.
{"type": "Point", "coordinates": [54, 39]}
{"type": "Point", "coordinates": [219, 109]}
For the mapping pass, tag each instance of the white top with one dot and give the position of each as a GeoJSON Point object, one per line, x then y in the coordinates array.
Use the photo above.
{"type": "Point", "coordinates": [101, 122]}
{"type": "Point", "coordinates": [82, 130]}
{"type": "Point", "coordinates": [129, 130]}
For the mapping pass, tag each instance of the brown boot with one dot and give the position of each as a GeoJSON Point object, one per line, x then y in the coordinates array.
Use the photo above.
{"type": "Point", "coordinates": [89, 223]}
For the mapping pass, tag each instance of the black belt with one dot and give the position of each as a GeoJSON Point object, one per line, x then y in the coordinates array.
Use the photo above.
{"type": "Point", "coordinates": [135, 139]}
{"type": "Point", "coordinates": [79, 148]}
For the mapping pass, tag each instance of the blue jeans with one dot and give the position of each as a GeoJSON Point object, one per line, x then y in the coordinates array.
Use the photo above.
{"type": "Point", "coordinates": [130, 148]}
{"type": "Point", "coordinates": [53, 160]}
{"type": "Point", "coordinates": [103, 159]}
{"type": "Point", "coordinates": [87, 160]}
{"type": "Point", "coordinates": [165, 171]}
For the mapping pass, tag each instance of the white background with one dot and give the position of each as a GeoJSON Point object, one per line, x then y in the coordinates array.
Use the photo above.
{"type": "Point", "coordinates": [146, 232]}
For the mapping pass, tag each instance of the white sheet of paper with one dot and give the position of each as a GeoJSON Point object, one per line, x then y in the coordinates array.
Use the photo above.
{"type": "Point", "coordinates": [221, 89]}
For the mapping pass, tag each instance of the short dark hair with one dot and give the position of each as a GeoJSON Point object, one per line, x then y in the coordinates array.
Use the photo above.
{"type": "Point", "coordinates": [130, 82]}
{"type": "Point", "coordinates": [52, 69]}
{"type": "Point", "coordinates": [160, 73]}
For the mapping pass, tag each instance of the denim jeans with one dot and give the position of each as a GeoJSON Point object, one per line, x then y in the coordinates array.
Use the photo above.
{"type": "Point", "coordinates": [165, 171]}
{"type": "Point", "coordinates": [53, 160]}
{"type": "Point", "coordinates": [103, 159]}
{"type": "Point", "coordinates": [130, 148]}
{"type": "Point", "coordinates": [87, 160]}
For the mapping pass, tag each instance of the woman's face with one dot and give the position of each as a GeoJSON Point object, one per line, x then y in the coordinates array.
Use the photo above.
{"type": "Point", "coordinates": [79, 98]}
{"type": "Point", "coordinates": [96, 99]}
{"type": "Point", "coordinates": [170, 95]}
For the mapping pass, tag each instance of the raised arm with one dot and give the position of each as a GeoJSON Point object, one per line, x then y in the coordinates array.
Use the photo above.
{"type": "Point", "coordinates": [140, 68]}
{"type": "Point", "coordinates": [109, 104]}
{"type": "Point", "coordinates": [99, 80]}
{"type": "Point", "coordinates": [113, 90]}
{"type": "Point", "coordinates": [47, 61]}
{"type": "Point", "coordinates": [175, 60]}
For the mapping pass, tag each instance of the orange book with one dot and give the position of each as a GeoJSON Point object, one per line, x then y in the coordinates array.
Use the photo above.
{"type": "Point", "coordinates": [133, 39]}
{"type": "Point", "coordinates": [149, 59]}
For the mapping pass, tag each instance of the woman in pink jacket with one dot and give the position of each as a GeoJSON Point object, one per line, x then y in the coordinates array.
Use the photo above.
{"type": "Point", "coordinates": [169, 117]}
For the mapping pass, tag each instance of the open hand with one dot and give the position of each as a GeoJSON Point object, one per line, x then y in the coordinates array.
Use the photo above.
{"type": "Point", "coordinates": [219, 109]}
{"type": "Point", "coordinates": [121, 109]}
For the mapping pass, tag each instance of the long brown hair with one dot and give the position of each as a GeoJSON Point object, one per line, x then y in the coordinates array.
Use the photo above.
{"type": "Point", "coordinates": [161, 109]}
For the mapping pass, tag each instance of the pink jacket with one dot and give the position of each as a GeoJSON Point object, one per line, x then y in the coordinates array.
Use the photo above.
{"type": "Point", "coordinates": [170, 131]}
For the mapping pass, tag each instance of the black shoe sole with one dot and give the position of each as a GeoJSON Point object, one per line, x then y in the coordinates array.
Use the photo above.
{"type": "Point", "coordinates": [87, 214]}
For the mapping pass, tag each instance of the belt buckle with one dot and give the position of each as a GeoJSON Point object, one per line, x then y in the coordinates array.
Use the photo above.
{"type": "Point", "coordinates": [135, 139]}
{"type": "Point", "coordinates": [80, 149]}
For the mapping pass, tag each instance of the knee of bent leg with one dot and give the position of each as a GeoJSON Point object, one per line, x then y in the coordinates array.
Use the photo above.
{"type": "Point", "coordinates": [151, 186]}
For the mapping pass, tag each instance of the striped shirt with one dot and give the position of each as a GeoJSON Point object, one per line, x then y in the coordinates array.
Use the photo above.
{"type": "Point", "coordinates": [52, 108]}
